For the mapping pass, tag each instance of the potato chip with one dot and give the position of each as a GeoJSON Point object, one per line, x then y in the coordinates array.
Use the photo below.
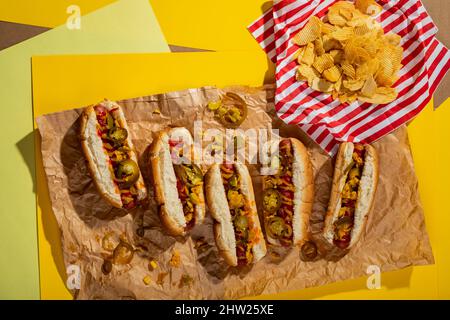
{"type": "Point", "coordinates": [298, 54]}
{"type": "Point", "coordinates": [327, 28]}
{"type": "Point", "coordinates": [337, 55]}
{"type": "Point", "coordinates": [369, 7]}
{"type": "Point", "coordinates": [332, 74]}
{"type": "Point", "coordinates": [393, 39]}
{"type": "Point", "coordinates": [352, 98]}
{"type": "Point", "coordinates": [336, 19]}
{"type": "Point", "coordinates": [342, 34]}
{"type": "Point", "coordinates": [353, 85]}
{"type": "Point", "coordinates": [384, 75]}
{"type": "Point", "coordinates": [306, 73]}
{"type": "Point", "coordinates": [330, 44]}
{"type": "Point", "coordinates": [348, 55]}
{"type": "Point", "coordinates": [310, 32]}
{"type": "Point", "coordinates": [362, 29]}
{"type": "Point", "coordinates": [338, 84]}
{"type": "Point", "coordinates": [343, 98]}
{"type": "Point", "coordinates": [370, 87]}
{"type": "Point", "coordinates": [373, 65]}
{"type": "Point", "coordinates": [362, 71]}
{"type": "Point", "coordinates": [343, 5]}
{"type": "Point", "coordinates": [318, 47]}
{"type": "Point", "coordinates": [383, 95]}
{"type": "Point", "coordinates": [346, 13]}
{"type": "Point", "coordinates": [321, 85]}
{"type": "Point", "coordinates": [308, 55]}
{"type": "Point", "coordinates": [348, 69]}
{"type": "Point", "coordinates": [323, 62]}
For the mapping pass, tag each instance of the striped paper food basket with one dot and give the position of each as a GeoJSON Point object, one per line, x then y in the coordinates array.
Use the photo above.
{"type": "Point", "coordinates": [327, 121]}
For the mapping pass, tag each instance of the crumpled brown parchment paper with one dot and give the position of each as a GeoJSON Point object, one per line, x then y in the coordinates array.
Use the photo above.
{"type": "Point", "coordinates": [395, 236]}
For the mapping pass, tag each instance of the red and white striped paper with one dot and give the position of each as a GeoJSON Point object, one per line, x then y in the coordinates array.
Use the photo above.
{"type": "Point", "coordinates": [328, 122]}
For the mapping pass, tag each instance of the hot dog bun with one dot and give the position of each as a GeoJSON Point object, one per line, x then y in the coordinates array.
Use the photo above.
{"type": "Point", "coordinates": [224, 232]}
{"type": "Point", "coordinates": [97, 157]}
{"type": "Point", "coordinates": [165, 182]}
{"type": "Point", "coordinates": [365, 195]}
{"type": "Point", "coordinates": [303, 182]}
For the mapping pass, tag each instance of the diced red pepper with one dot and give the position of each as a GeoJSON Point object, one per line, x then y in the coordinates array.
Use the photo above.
{"type": "Point", "coordinates": [348, 203]}
{"type": "Point", "coordinates": [287, 194]}
{"type": "Point", "coordinates": [342, 244]}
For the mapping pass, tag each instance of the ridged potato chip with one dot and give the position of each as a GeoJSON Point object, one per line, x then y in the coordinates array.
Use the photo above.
{"type": "Point", "coordinates": [348, 55]}
{"type": "Point", "coordinates": [369, 7]}
{"type": "Point", "coordinates": [342, 34]}
{"type": "Point", "coordinates": [322, 85]}
{"type": "Point", "coordinates": [323, 62]}
{"type": "Point", "coordinates": [329, 43]}
{"type": "Point", "coordinates": [318, 47]}
{"type": "Point", "coordinates": [337, 55]}
{"type": "Point", "coordinates": [332, 74]}
{"type": "Point", "coordinates": [308, 55]}
{"type": "Point", "coordinates": [353, 85]}
{"type": "Point", "coordinates": [348, 70]}
{"type": "Point", "coordinates": [306, 73]}
{"type": "Point", "coordinates": [370, 87]}
{"type": "Point", "coordinates": [310, 32]}
{"type": "Point", "coordinates": [327, 28]}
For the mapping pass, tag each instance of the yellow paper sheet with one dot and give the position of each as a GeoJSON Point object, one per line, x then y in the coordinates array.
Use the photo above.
{"type": "Point", "coordinates": [147, 74]}
{"type": "Point", "coordinates": [99, 33]}
{"type": "Point", "coordinates": [51, 13]}
{"type": "Point", "coordinates": [210, 24]}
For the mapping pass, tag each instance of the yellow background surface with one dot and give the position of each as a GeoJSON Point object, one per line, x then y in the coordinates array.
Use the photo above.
{"type": "Point", "coordinates": [45, 13]}
{"type": "Point", "coordinates": [219, 25]}
{"type": "Point", "coordinates": [137, 75]}
{"type": "Point", "coordinates": [99, 33]}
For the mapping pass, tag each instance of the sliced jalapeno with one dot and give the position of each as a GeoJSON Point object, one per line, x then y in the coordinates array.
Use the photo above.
{"type": "Point", "coordinates": [123, 253]}
{"type": "Point", "coordinates": [118, 134]}
{"type": "Point", "coordinates": [109, 121]}
{"type": "Point", "coordinates": [241, 222]}
{"type": "Point", "coordinates": [275, 227]}
{"type": "Point", "coordinates": [127, 172]}
{"type": "Point", "coordinates": [309, 251]}
{"type": "Point", "coordinates": [271, 200]}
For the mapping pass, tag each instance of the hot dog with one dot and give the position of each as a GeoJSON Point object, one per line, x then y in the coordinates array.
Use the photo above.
{"type": "Point", "coordinates": [237, 230]}
{"type": "Point", "coordinates": [355, 181]}
{"type": "Point", "coordinates": [288, 196]}
{"type": "Point", "coordinates": [109, 151]}
{"type": "Point", "coordinates": [178, 184]}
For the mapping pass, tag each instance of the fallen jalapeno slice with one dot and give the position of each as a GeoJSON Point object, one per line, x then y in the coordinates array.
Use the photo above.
{"type": "Point", "coordinates": [271, 200]}
{"type": "Point", "coordinates": [236, 112]}
{"type": "Point", "coordinates": [123, 253]}
{"type": "Point", "coordinates": [309, 251]}
{"type": "Point", "coordinates": [106, 267]}
{"type": "Point", "coordinates": [127, 172]}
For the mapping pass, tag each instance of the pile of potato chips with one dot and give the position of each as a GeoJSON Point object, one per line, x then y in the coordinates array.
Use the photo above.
{"type": "Point", "coordinates": [348, 55]}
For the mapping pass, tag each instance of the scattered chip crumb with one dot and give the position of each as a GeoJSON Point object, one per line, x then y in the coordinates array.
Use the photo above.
{"type": "Point", "coordinates": [152, 265]}
{"type": "Point", "coordinates": [175, 261]}
{"type": "Point", "coordinates": [161, 277]}
{"type": "Point", "coordinates": [156, 111]}
{"type": "Point", "coordinates": [147, 280]}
